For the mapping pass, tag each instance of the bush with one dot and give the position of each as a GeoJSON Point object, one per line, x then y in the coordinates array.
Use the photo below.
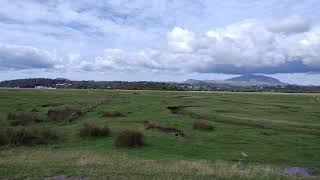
{"type": "Point", "coordinates": [129, 138]}
{"type": "Point", "coordinates": [25, 118]}
{"type": "Point", "coordinates": [24, 136]}
{"type": "Point", "coordinates": [90, 130]}
{"type": "Point", "coordinates": [110, 113]}
{"type": "Point", "coordinates": [66, 113]}
{"type": "Point", "coordinates": [203, 124]}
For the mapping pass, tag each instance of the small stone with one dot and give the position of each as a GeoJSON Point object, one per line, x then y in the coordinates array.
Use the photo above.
{"type": "Point", "coordinates": [297, 171]}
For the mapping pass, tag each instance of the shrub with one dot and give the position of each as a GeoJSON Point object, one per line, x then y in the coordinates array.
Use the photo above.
{"type": "Point", "coordinates": [129, 138]}
{"type": "Point", "coordinates": [24, 136]}
{"type": "Point", "coordinates": [25, 118]}
{"type": "Point", "coordinates": [90, 130]}
{"type": "Point", "coordinates": [110, 113]}
{"type": "Point", "coordinates": [66, 113]}
{"type": "Point", "coordinates": [203, 124]}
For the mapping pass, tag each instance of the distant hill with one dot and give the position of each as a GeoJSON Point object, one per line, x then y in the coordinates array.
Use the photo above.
{"type": "Point", "coordinates": [241, 81]}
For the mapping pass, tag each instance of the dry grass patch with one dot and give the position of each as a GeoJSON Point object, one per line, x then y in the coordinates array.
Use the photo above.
{"type": "Point", "coordinates": [91, 130]}
{"type": "Point", "coordinates": [97, 165]}
{"type": "Point", "coordinates": [129, 138]}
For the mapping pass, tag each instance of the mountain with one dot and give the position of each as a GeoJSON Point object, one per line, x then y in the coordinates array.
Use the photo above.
{"type": "Point", "coordinates": [241, 81]}
{"type": "Point", "coordinates": [256, 78]}
{"type": "Point", "coordinates": [62, 79]}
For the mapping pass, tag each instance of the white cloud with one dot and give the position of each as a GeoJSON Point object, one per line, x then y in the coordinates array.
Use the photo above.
{"type": "Point", "coordinates": [180, 39]}
{"type": "Point", "coordinates": [244, 47]}
{"type": "Point", "coordinates": [25, 57]}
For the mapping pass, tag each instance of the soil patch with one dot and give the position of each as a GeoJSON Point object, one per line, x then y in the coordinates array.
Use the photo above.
{"type": "Point", "coordinates": [174, 131]}
{"type": "Point", "coordinates": [178, 110]}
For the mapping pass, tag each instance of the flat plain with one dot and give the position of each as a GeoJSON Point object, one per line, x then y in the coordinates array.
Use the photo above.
{"type": "Point", "coordinates": [274, 131]}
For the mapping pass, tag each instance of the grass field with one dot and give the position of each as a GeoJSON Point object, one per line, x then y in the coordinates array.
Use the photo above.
{"type": "Point", "coordinates": [274, 130]}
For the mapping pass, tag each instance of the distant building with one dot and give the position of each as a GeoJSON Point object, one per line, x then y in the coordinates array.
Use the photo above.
{"type": "Point", "coordinates": [43, 87]}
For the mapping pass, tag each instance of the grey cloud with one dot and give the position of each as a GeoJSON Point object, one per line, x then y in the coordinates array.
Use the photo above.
{"type": "Point", "coordinates": [289, 25]}
{"type": "Point", "coordinates": [25, 57]}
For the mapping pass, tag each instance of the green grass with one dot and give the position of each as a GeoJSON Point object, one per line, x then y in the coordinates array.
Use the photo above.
{"type": "Point", "coordinates": [278, 130]}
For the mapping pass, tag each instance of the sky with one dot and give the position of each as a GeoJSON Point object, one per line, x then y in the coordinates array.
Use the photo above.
{"type": "Point", "coordinates": [167, 40]}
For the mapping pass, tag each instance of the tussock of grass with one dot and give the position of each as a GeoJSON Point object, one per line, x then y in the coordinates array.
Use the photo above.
{"type": "Point", "coordinates": [129, 138]}
{"type": "Point", "coordinates": [203, 124]}
{"type": "Point", "coordinates": [63, 114]}
{"type": "Point", "coordinates": [91, 130]}
{"type": "Point", "coordinates": [111, 113]}
{"type": "Point", "coordinates": [24, 118]}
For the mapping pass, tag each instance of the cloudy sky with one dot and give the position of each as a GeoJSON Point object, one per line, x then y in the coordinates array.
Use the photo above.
{"type": "Point", "coordinates": [167, 40]}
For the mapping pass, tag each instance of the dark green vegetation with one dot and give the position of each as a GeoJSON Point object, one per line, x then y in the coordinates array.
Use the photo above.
{"type": "Point", "coordinates": [279, 130]}
{"type": "Point", "coordinates": [273, 85]}
{"type": "Point", "coordinates": [67, 84]}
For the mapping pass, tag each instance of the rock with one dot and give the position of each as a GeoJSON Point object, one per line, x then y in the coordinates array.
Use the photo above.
{"type": "Point", "coordinates": [240, 166]}
{"type": "Point", "coordinates": [297, 171]}
{"type": "Point", "coordinates": [315, 173]}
